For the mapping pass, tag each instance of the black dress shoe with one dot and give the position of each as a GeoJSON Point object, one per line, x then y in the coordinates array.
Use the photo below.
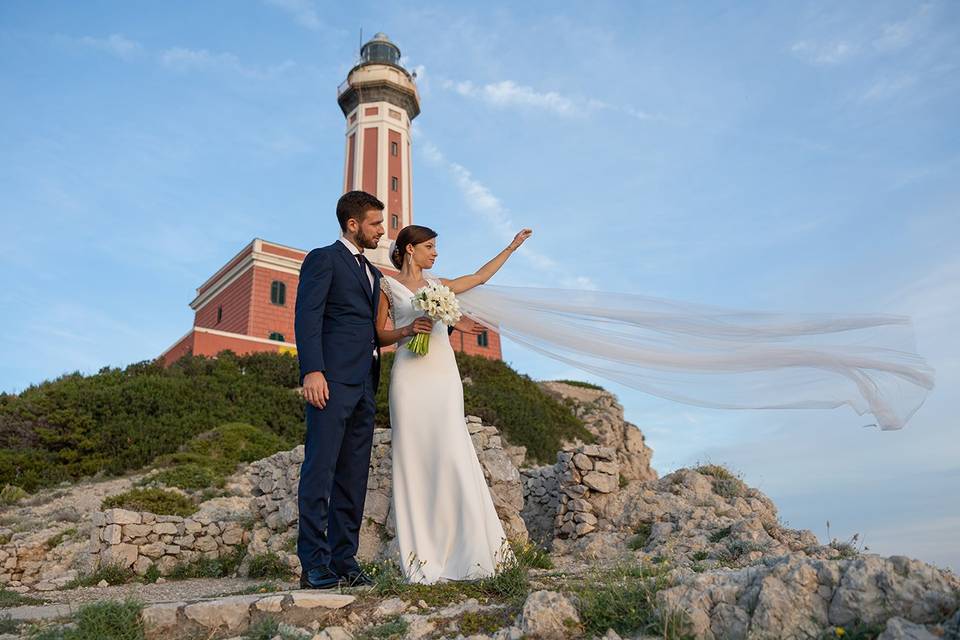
{"type": "Point", "coordinates": [357, 579]}
{"type": "Point", "coordinates": [320, 578]}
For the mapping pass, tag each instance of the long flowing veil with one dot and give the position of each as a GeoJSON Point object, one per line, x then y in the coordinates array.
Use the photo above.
{"type": "Point", "coordinates": [716, 357]}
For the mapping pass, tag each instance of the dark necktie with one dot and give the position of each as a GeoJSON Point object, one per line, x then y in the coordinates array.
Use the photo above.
{"type": "Point", "coordinates": [363, 262]}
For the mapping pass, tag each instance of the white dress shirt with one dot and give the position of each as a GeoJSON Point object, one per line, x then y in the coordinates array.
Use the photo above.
{"type": "Point", "coordinates": [355, 251]}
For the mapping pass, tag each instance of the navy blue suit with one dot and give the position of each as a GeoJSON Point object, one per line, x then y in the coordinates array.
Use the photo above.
{"type": "Point", "coordinates": [336, 334]}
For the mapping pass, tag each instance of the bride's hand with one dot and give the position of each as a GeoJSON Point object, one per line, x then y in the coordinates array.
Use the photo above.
{"type": "Point", "coordinates": [420, 325]}
{"type": "Point", "coordinates": [520, 238]}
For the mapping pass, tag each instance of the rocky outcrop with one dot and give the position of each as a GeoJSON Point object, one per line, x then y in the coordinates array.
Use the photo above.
{"type": "Point", "coordinates": [602, 415]}
{"type": "Point", "coordinates": [793, 596]}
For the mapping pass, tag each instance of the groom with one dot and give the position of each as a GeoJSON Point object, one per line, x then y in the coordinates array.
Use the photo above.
{"type": "Point", "coordinates": [339, 370]}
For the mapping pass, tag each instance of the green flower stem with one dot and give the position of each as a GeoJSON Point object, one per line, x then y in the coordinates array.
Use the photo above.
{"type": "Point", "coordinates": [420, 344]}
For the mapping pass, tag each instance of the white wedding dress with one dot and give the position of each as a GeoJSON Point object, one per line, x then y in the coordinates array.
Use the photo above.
{"type": "Point", "coordinates": [447, 526]}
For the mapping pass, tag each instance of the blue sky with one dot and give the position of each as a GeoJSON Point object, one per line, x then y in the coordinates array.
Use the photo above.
{"type": "Point", "coordinates": [796, 157]}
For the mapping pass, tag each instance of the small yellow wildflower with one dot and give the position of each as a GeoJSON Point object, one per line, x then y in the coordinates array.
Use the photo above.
{"type": "Point", "coordinates": [839, 631]}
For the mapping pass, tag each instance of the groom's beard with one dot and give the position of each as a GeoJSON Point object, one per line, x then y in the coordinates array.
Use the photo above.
{"type": "Point", "coordinates": [367, 242]}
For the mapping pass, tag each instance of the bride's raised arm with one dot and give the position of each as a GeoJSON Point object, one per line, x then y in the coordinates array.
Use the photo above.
{"type": "Point", "coordinates": [484, 273]}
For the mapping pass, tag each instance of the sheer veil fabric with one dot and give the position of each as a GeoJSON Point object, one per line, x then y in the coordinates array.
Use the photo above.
{"type": "Point", "coordinates": [717, 357]}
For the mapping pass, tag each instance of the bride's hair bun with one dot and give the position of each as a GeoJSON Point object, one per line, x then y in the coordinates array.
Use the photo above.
{"type": "Point", "coordinates": [395, 257]}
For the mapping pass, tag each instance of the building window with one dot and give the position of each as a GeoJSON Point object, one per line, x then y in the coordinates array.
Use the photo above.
{"type": "Point", "coordinates": [483, 339]}
{"type": "Point", "coordinates": [394, 149]}
{"type": "Point", "coordinates": [278, 293]}
{"type": "Point", "coordinates": [394, 183]}
{"type": "Point", "coordinates": [395, 221]}
{"type": "Point", "coordinates": [277, 336]}
{"type": "Point", "coordinates": [219, 314]}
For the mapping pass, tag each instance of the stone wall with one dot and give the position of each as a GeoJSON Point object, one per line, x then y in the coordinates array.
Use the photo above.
{"type": "Point", "coordinates": [564, 500]}
{"type": "Point", "coordinates": [22, 564]}
{"type": "Point", "coordinates": [275, 481]}
{"type": "Point", "coordinates": [586, 476]}
{"type": "Point", "coordinates": [541, 494]}
{"type": "Point", "coordinates": [139, 540]}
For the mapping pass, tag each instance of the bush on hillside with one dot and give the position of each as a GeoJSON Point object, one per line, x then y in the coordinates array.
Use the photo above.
{"type": "Point", "coordinates": [207, 459]}
{"type": "Point", "coordinates": [157, 501]}
{"type": "Point", "coordinates": [122, 419]}
{"type": "Point", "coordinates": [581, 384]}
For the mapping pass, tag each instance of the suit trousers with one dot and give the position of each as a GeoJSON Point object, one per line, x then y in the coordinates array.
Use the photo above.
{"type": "Point", "coordinates": [333, 476]}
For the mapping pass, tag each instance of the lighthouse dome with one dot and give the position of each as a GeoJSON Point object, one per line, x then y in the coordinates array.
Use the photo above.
{"type": "Point", "coordinates": [380, 49]}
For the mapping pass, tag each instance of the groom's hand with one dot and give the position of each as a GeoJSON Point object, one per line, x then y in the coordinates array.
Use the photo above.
{"type": "Point", "coordinates": [315, 389]}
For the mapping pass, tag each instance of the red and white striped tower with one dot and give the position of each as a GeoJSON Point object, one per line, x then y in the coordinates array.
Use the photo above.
{"type": "Point", "coordinates": [379, 100]}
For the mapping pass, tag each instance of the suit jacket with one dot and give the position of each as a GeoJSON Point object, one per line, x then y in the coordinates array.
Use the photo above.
{"type": "Point", "coordinates": [335, 316]}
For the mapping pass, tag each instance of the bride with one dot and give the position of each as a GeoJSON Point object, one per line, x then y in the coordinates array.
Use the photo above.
{"type": "Point", "coordinates": [697, 354]}
{"type": "Point", "coordinates": [447, 526]}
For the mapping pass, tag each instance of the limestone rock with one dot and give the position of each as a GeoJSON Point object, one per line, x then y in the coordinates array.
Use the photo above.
{"type": "Point", "coordinates": [900, 629]}
{"type": "Point", "coordinates": [232, 613]}
{"type": "Point", "coordinates": [121, 516]}
{"type": "Point", "coordinates": [160, 618]}
{"type": "Point", "coordinates": [548, 615]}
{"type": "Point", "coordinates": [310, 599]}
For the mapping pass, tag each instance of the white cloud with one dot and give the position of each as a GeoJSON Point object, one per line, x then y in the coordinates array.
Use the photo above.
{"type": "Point", "coordinates": [900, 34]}
{"type": "Point", "coordinates": [825, 53]}
{"type": "Point", "coordinates": [888, 37]}
{"type": "Point", "coordinates": [507, 93]}
{"type": "Point", "coordinates": [114, 44]}
{"type": "Point", "coordinates": [303, 11]}
{"type": "Point", "coordinates": [183, 59]}
{"type": "Point", "coordinates": [887, 87]}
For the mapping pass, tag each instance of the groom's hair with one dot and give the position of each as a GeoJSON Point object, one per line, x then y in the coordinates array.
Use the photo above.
{"type": "Point", "coordinates": [354, 204]}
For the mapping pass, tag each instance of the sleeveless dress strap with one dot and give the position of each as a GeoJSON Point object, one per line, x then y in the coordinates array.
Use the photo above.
{"type": "Point", "coordinates": [387, 289]}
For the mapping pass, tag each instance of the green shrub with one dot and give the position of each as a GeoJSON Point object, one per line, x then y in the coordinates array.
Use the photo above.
{"type": "Point", "coordinates": [112, 573]}
{"type": "Point", "coordinates": [484, 622]}
{"type": "Point", "coordinates": [513, 402]}
{"type": "Point", "coordinates": [720, 534]}
{"type": "Point", "coordinates": [55, 540]}
{"type": "Point", "coordinates": [11, 494]}
{"type": "Point", "coordinates": [8, 625]}
{"type": "Point", "coordinates": [725, 483]}
{"type": "Point", "coordinates": [623, 598]}
{"type": "Point", "coordinates": [158, 501]}
{"type": "Point", "coordinates": [530, 555]}
{"type": "Point", "coordinates": [580, 383]}
{"type": "Point", "coordinates": [641, 535]}
{"type": "Point", "coordinates": [268, 628]}
{"type": "Point", "coordinates": [269, 565]}
{"type": "Point", "coordinates": [190, 476]}
{"type": "Point", "coordinates": [122, 419]}
{"type": "Point", "coordinates": [109, 620]}
{"type": "Point", "coordinates": [10, 598]}
{"type": "Point", "coordinates": [393, 629]}
{"type": "Point", "coordinates": [204, 567]}
{"type": "Point", "coordinates": [232, 443]}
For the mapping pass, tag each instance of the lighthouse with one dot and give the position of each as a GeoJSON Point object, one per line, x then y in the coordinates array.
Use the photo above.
{"type": "Point", "coordinates": [248, 304]}
{"type": "Point", "coordinates": [379, 100]}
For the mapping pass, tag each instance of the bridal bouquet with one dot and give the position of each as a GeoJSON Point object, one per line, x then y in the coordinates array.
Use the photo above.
{"type": "Point", "coordinates": [440, 304]}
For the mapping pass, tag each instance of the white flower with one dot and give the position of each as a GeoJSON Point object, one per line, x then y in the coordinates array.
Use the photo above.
{"type": "Point", "coordinates": [439, 303]}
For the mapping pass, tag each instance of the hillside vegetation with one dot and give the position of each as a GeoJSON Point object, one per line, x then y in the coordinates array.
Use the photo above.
{"type": "Point", "coordinates": [119, 420]}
